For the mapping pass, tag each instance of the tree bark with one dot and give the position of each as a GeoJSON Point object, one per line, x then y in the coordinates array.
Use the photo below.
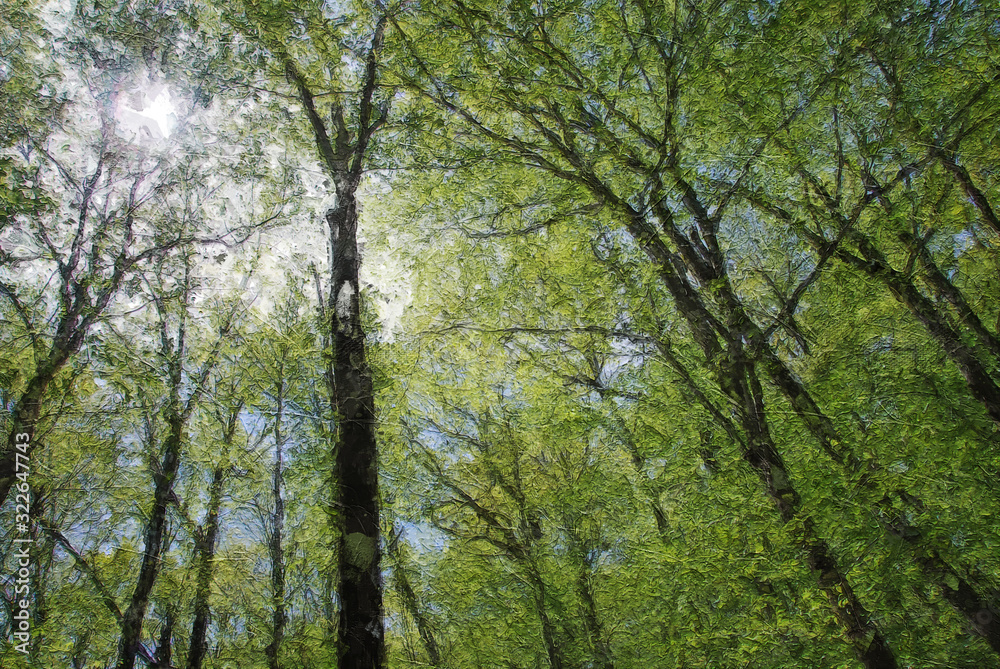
{"type": "Point", "coordinates": [42, 547]}
{"type": "Point", "coordinates": [964, 597]}
{"type": "Point", "coordinates": [206, 539]}
{"type": "Point", "coordinates": [274, 545]}
{"type": "Point", "coordinates": [80, 309]}
{"type": "Point", "coordinates": [132, 619]}
{"type": "Point", "coordinates": [552, 647]}
{"type": "Point", "coordinates": [355, 453]}
{"type": "Point", "coordinates": [698, 255]}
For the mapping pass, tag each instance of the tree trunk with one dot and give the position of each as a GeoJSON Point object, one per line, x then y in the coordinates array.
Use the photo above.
{"type": "Point", "coordinates": [955, 588]}
{"type": "Point", "coordinates": [361, 630]}
{"type": "Point", "coordinates": [964, 596]}
{"type": "Point", "coordinates": [42, 547]}
{"type": "Point", "coordinates": [132, 619]}
{"type": "Point", "coordinates": [164, 648]}
{"type": "Point", "coordinates": [274, 546]}
{"type": "Point", "coordinates": [971, 190]}
{"type": "Point", "coordinates": [737, 378]}
{"type": "Point", "coordinates": [355, 456]}
{"type": "Point", "coordinates": [412, 604]}
{"type": "Point", "coordinates": [978, 379]}
{"type": "Point", "coordinates": [946, 290]}
{"type": "Point", "coordinates": [205, 541]}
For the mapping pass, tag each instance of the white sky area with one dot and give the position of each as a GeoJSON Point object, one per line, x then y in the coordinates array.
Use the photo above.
{"type": "Point", "coordinates": [156, 117]}
{"type": "Point", "coordinates": [158, 122]}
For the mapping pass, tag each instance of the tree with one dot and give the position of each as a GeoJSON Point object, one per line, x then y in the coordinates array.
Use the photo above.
{"type": "Point", "coordinates": [344, 153]}
{"type": "Point", "coordinates": [670, 346]}
{"type": "Point", "coordinates": [174, 349]}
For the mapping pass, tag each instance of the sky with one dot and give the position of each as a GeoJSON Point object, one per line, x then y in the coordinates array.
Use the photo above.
{"type": "Point", "coordinates": [156, 117]}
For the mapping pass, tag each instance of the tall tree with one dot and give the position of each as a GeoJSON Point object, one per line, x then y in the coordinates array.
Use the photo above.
{"type": "Point", "coordinates": [206, 538]}
{"type": "Point", "coordinates": [584, 139]}
{"type": "Point", "coordinates": [175, 350]}
{"type": "Point", "coordinates": [343, 148]}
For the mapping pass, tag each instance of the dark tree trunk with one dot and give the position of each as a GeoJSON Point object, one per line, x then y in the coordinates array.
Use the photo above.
{"type": "Point", "coordinates": [648, 487]}
{"type": "Point", "coordinates": [977, 377]}
{"type": "Point", "coordinates": [361, 629]}
{"type": "Point", "coordinates": [206, 539]}
{"type": "Point", "coordinates": [81, 306]}
{"type": "Point", "coordinates": [132, 619]}
{"type": "Point", "coordinates": [164, 647]}
{"type": "Point", "coordinates": [106, 596]}
{"type": "Point", "coordinates": [355, 456]}
{"type": "Point", "coordinates": [965, 597]}
{"type": "Point", "coordinates": [274, 545]}
{"type": "Point", "coordinates": [870, 646]}
{"type": "Point", "coordinates": [42, 547]}
{"type": "Point", "coordinates": [177, 414]}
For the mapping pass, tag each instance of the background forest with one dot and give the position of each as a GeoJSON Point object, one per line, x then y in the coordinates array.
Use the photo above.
{"type": "Point", "coordinates": [582, 334]}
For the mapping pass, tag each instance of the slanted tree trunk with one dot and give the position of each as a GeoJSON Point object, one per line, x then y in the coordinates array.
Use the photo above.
{"type": "Point", "coordinates": [411, 602]}
{"type": "Point", "coordinates": [872, 262]}
{"type": "Point", "coordinates": [689, 263]}
{"type": "Point", "coordinates": [515, 532]}
{"type": "Point", "coordinates": [981, 384]}
{"type": "Point", "coordinates": [79, 651]}
{"type": "Point", "coordinates": [552, 648]}
{"type": "Point", "coordinates": [965, 597]}
{"type": "Point", "coordinates": [737, 377]}
{"type": "Point", "coordinates": [959, 591]}
{"type": "Point", "coordinates": [944, 289]}
{"type": "Point", "coordinates": [971, 190]}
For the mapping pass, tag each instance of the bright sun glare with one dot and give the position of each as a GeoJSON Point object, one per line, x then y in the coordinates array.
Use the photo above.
{"type": "Point", "coordinates": [161, 111]}
{"type": "Point", "coordinates": [157, 116]}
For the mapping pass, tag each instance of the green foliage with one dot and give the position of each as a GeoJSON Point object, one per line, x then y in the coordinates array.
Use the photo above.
{"type": "Point", "coordinates": [561, 200]}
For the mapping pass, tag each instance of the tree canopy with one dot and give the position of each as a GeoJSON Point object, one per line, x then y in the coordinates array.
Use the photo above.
{"type": "Point", "coordinates": [581, 334]}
